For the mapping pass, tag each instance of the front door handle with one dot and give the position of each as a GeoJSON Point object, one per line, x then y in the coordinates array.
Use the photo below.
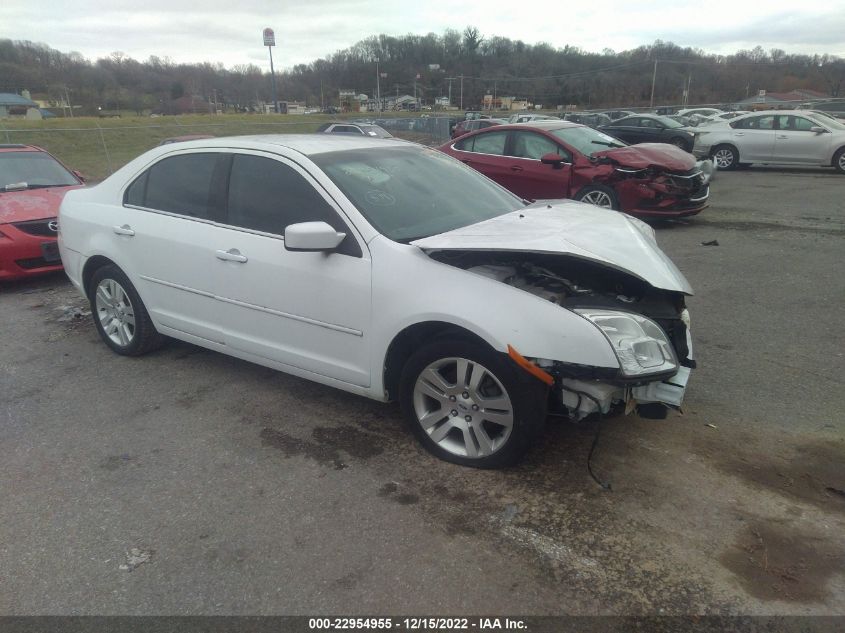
{"type": "Point", "coordinates": [124, 230]}
{"type": "Point", "coordinates": [783, 137]}
{"type": "Point", "coordinates": [739, 133]}
{"type": "Point", "coordinates": [232, 255]}
{"type": "Point", "coordinates": [516, 168]}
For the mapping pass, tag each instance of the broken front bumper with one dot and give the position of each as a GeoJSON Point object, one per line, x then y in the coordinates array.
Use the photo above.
{"type": "Point", "coordinates": [582, 398]}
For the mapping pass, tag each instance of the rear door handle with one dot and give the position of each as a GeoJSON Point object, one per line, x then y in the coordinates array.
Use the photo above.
{"type": "Point", "coordinates": [232, 255]}
{"type": "Point", "coordinates": [739, 133]}
{"type": "Point", "coordinates": [782, 136]}
{"type": "Point", "coordinates": [124, 230]}
{"type": "Point", "coordinates": [516, 168]}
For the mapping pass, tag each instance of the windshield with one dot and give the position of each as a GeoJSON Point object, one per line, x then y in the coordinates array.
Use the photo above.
{"type": "Point", "coordinates": [586, 140]}
{"type": "Point", "coordinates": [408, 193]}
{"type": "Point", "coordinates": [828, 120]}
{"type": "Point", "coordinates": [36, 169]}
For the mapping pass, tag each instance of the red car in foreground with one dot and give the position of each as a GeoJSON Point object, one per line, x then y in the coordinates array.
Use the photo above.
{"type": "Point", "coordinates": [32, 185]}
{"type": "Point", "coordinates": [556, 159]}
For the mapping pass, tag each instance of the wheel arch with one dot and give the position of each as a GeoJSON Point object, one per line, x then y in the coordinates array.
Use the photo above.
{"type": "Point", "coordinates": [407, 341]}
{"type": "Point", "coordinates": [91, 266]}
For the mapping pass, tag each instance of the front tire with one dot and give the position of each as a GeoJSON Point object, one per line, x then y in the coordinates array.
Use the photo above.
{"type": "Point", "coordinates": [839, 160]}
{"type": "Point", "coordinates": [119, 314]}
{"type": "Point", "coordinates": [598, 195]}
{"type": "Point", "coordinates": [467, 404]}
{"type": "Point", "coordinates": [725, 157]}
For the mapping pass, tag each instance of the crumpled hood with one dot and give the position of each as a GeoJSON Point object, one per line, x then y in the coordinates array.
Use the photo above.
{"type": "Point", "coordinates": [645, 155]}
{"type": "Point", "coordinates": [31, 204]}
{"type": "Point", "coordinates": [570, 228]}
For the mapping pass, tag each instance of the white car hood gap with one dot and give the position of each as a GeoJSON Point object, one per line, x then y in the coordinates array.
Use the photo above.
{"type": "Point", "coordinates": [569, 228]}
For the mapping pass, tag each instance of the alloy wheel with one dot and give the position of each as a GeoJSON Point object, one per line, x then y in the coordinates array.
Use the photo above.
{"type": "Point", "coordinates": [463, 407]}
{"type": "Point", "coordinates": [115, 312]}
{"type": "Point", "coordinates": [598, 198]}
{"type": "Point", "coordinates": [724, 158]}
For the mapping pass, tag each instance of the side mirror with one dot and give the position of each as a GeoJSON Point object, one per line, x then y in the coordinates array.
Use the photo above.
{"type": "Point", "coordinates": [556, 160]}
{"type": "Point", "coordinates": [79, 175]}
{"type": "Point", "coordinates": [312, 236]}
{"type": "Point", "coordinates": [818, 130]}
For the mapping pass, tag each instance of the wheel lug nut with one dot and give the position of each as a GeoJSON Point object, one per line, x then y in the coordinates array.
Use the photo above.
{"type": "Point", "coordinates": [452, 398]}
{"type": "Point", "coordinates": [475, 407]}
{"type": "Point", "coordinates": [468, 418]}
{"type": "Point", "coordinates": [465, 394]}
{"type": "Point", "coordinates": [454, 413]}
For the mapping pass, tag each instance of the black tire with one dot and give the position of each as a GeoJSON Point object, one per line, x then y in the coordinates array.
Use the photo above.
{"type": "Point", "coordinates": [839, 160]}
{"type": "Point", "coordinates": [592, 192]}
{"type": "Point", "coordinates": [527, 396]}
{"type": "Point", "coordinates": [141, 336]}
{"type": "Point", "coordinates": [725, 157]}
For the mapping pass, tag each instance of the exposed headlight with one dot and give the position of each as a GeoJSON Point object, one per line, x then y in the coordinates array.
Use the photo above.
{"type": "Point", "coordinates": [639, 343]}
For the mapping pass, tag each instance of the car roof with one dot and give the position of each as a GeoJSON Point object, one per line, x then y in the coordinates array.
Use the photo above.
{"type": "Point", "coordinates": [15, 147]}
{"type": "Point", "coordinates": [543, 124]}
{"type": "Point", "coordinates": [307, 144]}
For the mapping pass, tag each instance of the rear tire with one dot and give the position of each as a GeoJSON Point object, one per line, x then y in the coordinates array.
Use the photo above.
{"type": "Point", "coordinates": [598, 195]}
{"type": "Point", "coordinates": [725, 157]}
{"type": "Point", "coordinates": [119, 314]}
{"type": "Point", "coordinates": [470, 405]}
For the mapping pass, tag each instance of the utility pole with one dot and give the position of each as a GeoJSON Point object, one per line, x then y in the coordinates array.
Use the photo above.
{"type": "Point", "coordinates": [378, 87]}
{"type": "Point", "coordinates": [653, 81]}
{"type": "Point", "coordinates": [462, 92]}
{"type": "Point", "coordinates": [322, 99]}
{"type": "Point", "coordinates": [450, 88]}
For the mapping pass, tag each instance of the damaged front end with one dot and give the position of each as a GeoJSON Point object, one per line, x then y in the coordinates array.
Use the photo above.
{"type": "Point", "coordinates": [647, 327]}
{"type": "Point", "coordinates": [656, 182]}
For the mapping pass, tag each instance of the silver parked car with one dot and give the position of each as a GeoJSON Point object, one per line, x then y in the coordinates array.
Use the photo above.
{"type": "Point", "coordinates": [794, 137]}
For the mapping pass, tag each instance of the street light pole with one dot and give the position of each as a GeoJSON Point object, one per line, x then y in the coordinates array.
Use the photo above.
{"type": "Point", "coordinates": [653, 81]}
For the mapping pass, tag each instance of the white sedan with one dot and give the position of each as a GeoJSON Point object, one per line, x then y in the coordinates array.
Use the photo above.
{"type": "Point", "coordinates": [388, 270]}
{"type": "Point", "coordinates": [789, 137]}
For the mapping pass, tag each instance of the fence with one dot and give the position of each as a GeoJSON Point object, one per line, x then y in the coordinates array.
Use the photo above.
{"type": "Point", "coordinates": [97, 150]}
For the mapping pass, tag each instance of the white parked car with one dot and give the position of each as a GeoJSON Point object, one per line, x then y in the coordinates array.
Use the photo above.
{"type": "Point", "coordinates": [389, 270]}
{"type": "Point", "coordinates": [789, 137]}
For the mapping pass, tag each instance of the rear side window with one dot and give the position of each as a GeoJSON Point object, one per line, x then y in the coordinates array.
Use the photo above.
{"type": "Point", "coordinates": [490, 143]}
{"type": "Point", "coordinates": [180, 184]}
{"type": "Point", "coordinates": [766, 122]}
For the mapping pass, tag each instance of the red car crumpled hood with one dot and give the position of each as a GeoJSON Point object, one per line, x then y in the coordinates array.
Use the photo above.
{"type": "Point", "coordinates": [645, 155]}
{"type": "Point", "coordinates": [31, 204]}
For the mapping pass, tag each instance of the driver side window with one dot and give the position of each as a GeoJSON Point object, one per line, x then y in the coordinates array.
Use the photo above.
{"type": "Point", "coordinates": [534, 146]}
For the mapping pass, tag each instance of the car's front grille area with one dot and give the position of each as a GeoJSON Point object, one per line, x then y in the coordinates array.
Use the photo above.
{"type": "Point", "coordinates": [37, 227]}
{"type": "Point", "coordinates": [691, 181]}
{"type": "Point", "coordinates": [35, 262]}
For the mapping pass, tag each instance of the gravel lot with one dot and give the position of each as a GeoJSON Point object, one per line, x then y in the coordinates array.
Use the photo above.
{"type": "Point", "coordinates": [187, 482]}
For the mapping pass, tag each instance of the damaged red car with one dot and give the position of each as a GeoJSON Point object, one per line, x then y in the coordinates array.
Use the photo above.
{"type": "Point", "coordinates": [32, 185]}
{"type": "Point", "coordinates": [556, 159]}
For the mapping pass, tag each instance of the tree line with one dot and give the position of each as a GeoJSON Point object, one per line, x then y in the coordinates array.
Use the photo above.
{"type": "Point", "coordinates": [464, 65]}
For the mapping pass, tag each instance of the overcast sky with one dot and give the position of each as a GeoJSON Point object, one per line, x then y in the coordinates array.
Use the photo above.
{"type": "Point", "coordinates": [229, 31]}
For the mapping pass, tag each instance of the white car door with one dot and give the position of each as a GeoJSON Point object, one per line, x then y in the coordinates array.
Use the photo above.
{"type": "Point", "coordinates": [795, 142]}
{"type": "Point", "coordinates": [754, 137]}
{"type": "Point", "coordinates": [165, 229]}
{"type": "Point", "coordinates": [308, 310]}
